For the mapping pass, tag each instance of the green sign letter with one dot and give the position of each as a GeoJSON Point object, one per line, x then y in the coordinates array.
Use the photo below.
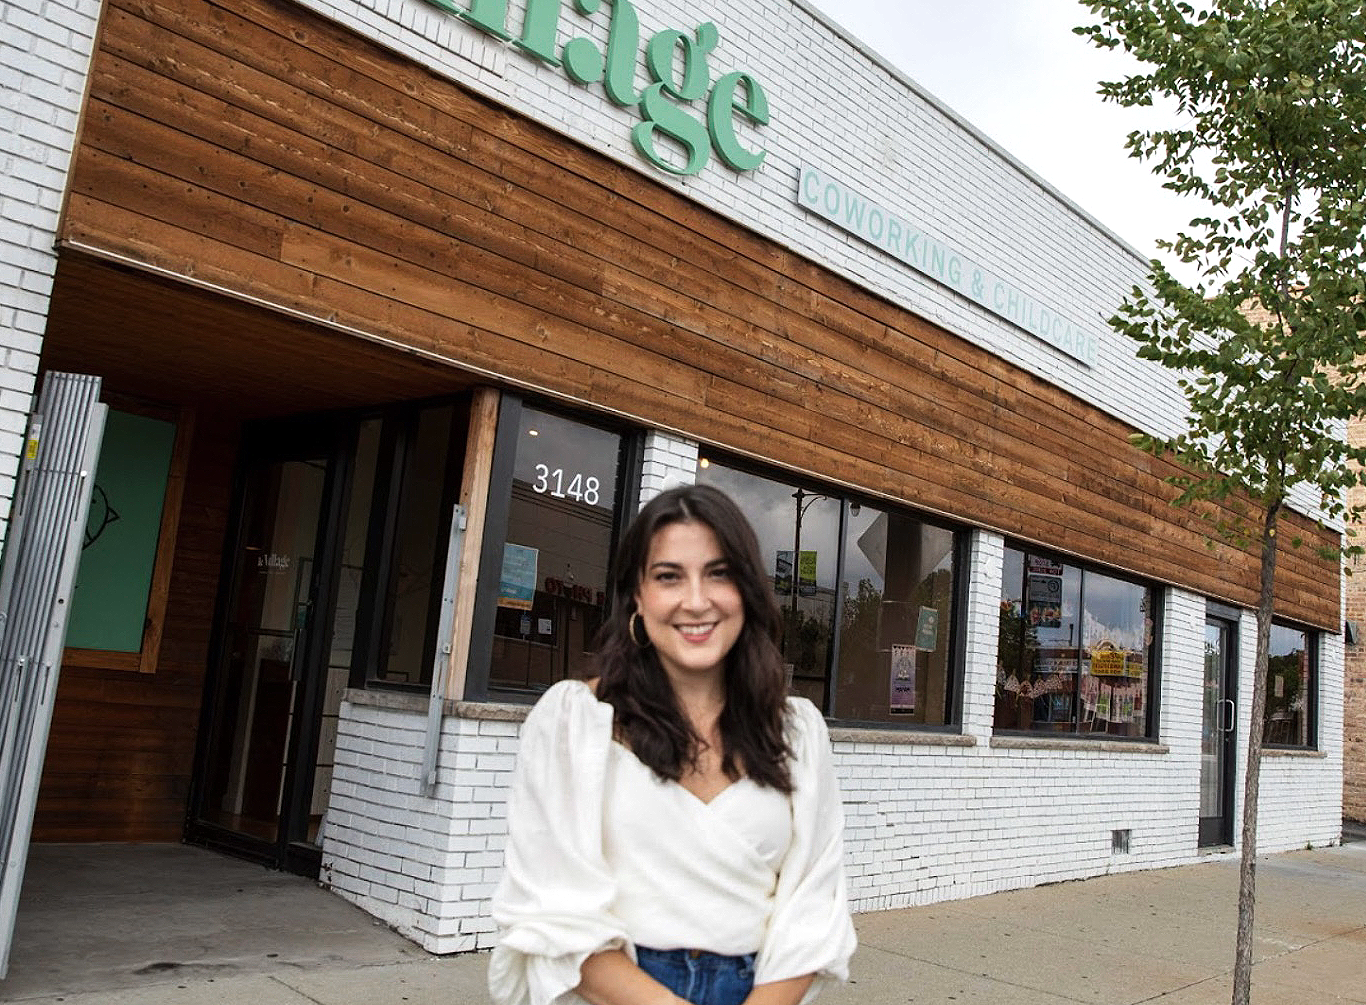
{"type": "Point", "coordinates": [539, 29]}
{"type": "Point", "coordinates": [722, 108]}
{"type": "Point", "coordinates": [486, 15]}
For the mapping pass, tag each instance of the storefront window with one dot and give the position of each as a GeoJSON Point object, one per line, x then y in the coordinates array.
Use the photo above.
{"type": "Point", "coordinates": [897, 590]}
{"type": "Point", "coordinates": [1075, 649]}
{"type": "Point", "coordinates": [868, 612]}
{"type": "Point", "coordinates": [561, 518]}
{"type": "Point", "coordinates": [1291, 688]}
{"type": "Point", "coordinates": [405, 483]}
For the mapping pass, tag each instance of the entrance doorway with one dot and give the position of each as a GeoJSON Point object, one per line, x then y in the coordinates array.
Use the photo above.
{"type": "Point", "coordinates": [333, 579]}
{"type": "Point", "coordinates": [260, 746]}
{"type": "Point", "coordinates": [1218, 742]}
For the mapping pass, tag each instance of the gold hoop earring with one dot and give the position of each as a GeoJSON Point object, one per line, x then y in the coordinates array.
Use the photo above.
{"type": "Point", "coordinates": [638, 634]}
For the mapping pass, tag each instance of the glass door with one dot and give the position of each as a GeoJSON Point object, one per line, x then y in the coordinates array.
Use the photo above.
{"type": "Point", "coordinates": [263, 710]}
{"type": "Point", "coordinates": [1218, 735]}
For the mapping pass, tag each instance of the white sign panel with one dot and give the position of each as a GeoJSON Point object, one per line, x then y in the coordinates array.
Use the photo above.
{"type": "Point", "coordinates": [858, 215]}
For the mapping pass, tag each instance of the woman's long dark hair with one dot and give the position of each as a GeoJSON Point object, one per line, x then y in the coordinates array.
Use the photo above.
{"type": "Point", "coordinates": [647, 717]}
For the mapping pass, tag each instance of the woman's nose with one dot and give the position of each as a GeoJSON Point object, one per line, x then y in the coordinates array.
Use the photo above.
{"type": "Point", "coordinates": [696, 596]}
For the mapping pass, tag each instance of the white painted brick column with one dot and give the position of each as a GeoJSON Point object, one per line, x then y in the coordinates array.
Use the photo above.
{"type": "Point", "coordinates": [982, 620]}
{"type": "Point", "coordinates": [426, 865]}
{"type": "Point", "coordinates": [1182, 704]}
{"type": "Point", "coordinates": [669, 461]}
{"type": "Point", "coordinates": [45, 49]}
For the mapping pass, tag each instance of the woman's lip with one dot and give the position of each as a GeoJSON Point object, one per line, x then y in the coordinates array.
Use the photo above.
{"type": "Point", "coordinates": [696, 631]}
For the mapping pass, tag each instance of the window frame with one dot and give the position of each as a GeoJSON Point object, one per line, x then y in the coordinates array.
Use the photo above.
{"type": "Point", "coordinates": [1152, 719]}
{"type": "Point", "coordinates": [630, 466]}
{"type": "Point", "coordinates": [1313, 644]}
{"type": "Point", "coordinates": [399, 430]}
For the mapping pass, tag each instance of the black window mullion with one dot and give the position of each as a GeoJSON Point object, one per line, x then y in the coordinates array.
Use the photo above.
{"type": "Point", "coordinates": [836, 630]}
{"type": "Point", "coordinates": [1081, 627]}
{"type": "Point", "coordinates": [373, 628]}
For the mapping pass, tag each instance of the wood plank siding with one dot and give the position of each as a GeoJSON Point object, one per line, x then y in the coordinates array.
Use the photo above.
{"type": "Point", "coordinates": [268, 151]}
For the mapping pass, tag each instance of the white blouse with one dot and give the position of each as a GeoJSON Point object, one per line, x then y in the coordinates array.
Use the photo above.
{"type": "Point", "coordinates": [604, 855]}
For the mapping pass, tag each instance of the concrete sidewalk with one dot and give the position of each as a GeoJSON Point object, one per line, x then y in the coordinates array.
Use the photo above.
{"type": "Point", "coordinates": [172, 925]}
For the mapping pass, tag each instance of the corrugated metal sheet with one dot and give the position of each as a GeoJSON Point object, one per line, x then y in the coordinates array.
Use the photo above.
{"type": "Point", "coordinates": [39, 568]}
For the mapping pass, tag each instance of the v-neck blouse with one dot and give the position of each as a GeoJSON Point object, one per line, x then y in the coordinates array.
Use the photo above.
{"type": "Point", "coordinates": [602, 854]}
{"type": "Point", "coordinates": [692, 874]}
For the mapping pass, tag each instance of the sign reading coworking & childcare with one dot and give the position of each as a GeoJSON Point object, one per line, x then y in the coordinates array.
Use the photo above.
{"type": "Point", "coordinates": [884, 230]}
{"type": "Point", "coordinates": [666, 104]}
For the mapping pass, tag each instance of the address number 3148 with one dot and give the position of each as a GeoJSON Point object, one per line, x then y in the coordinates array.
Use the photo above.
{"type": "Point", "coordinates": [580, 487]}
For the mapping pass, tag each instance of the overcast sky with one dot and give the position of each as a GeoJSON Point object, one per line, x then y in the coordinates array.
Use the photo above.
{"type": "Point", "coordinates": [1015, 71]}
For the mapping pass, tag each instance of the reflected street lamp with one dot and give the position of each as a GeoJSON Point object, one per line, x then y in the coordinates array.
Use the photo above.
{"type": "Point", "coordinates": [804, 501]}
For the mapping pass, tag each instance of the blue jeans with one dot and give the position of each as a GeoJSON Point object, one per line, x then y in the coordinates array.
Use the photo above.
{"type": "Point", "coordinates": [700, 977]}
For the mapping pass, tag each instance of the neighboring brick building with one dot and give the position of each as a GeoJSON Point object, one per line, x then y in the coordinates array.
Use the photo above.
{"type": "Point", "coordinates": [1354, 670]}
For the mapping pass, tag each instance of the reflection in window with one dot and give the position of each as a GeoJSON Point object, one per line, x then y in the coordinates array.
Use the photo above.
{"type": "Point", "coordinates": [891, 606]}
{"type": "Point", "coordinates": [553, 588]}
{"type": "Point", "coordinates": [1075, 649]}
{"type": "Point", "coordinates": [1291, 682]}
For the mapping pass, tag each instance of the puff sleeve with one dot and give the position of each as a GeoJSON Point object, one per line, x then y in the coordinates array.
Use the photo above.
{"type": "Point", "coordinates": [552, 904]}
{"type": "Point", "coordinates": [810, 930]}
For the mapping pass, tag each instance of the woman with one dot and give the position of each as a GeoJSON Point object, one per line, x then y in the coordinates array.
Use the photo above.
{"type": "Point", "coordinates": [675, 830]}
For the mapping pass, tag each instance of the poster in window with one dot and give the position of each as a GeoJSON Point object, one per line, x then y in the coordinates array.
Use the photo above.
{"type": "Point", "coordinates": [1043, 589]}
{"type": "Point", "coordinates": [782, 572]}
{"type": "Point", "coordinates": [1107, 661]}
{"type": "Point", "coordinates": [517, 588]}
{"type": "Point", "coordinates": [927, 629]}
{"type": "Point", "coordinates": [902, 697]}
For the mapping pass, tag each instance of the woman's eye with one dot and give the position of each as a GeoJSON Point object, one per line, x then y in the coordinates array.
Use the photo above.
{"type": "Point", "coordinates": [721, 572]}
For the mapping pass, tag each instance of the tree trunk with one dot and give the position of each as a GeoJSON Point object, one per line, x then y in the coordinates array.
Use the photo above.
{"type": "Point", "coordinates": [1247, 876]}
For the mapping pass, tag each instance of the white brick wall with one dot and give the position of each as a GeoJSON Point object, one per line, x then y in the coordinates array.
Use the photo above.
{"type": "Point", "coordinates": [425, 865]}
{"type": "Point", "coordinates": [45, 48]}
{"type": "Point", "coordinates": [1300, 802]}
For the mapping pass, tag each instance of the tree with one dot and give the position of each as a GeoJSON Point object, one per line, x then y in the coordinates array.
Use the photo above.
{"type": "Point", "coordinates": [1270, 98]}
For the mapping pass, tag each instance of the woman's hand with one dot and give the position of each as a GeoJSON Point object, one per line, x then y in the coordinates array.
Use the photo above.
{"type": "Point", "coordinates": [611, 978]}
{"type": "Point", "coordinates": [788, 992]}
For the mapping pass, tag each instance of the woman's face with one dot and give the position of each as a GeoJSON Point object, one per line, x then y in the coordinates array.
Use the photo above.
{"type": "Point", "coordinates": [691, 607]}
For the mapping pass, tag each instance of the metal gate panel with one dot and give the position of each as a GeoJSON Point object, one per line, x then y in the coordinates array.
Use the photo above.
{"type": "Point", "coordinates": [42, 550]}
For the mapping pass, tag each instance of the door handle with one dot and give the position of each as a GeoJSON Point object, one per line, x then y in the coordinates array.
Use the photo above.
{"type": "Point", "coordinates": [1232, 719]}
{"type": "Point", "coordinates": [295, 669]}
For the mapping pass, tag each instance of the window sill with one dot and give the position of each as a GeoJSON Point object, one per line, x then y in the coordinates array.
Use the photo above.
{"type": "Point", "coordinates": [1293, 752]}
{"type": "Point", "coordinates": [902, 737]}
{"type": "Point", "coordinates": [409, 701]}
{"type": "Point", "coordinates": [1101, 746]}
{"type": "Point", "coordinates": [515, 712]}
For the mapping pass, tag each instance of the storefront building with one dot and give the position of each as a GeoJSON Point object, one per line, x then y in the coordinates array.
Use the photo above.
{"type": "Point", "coordinates": [402, 306]}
